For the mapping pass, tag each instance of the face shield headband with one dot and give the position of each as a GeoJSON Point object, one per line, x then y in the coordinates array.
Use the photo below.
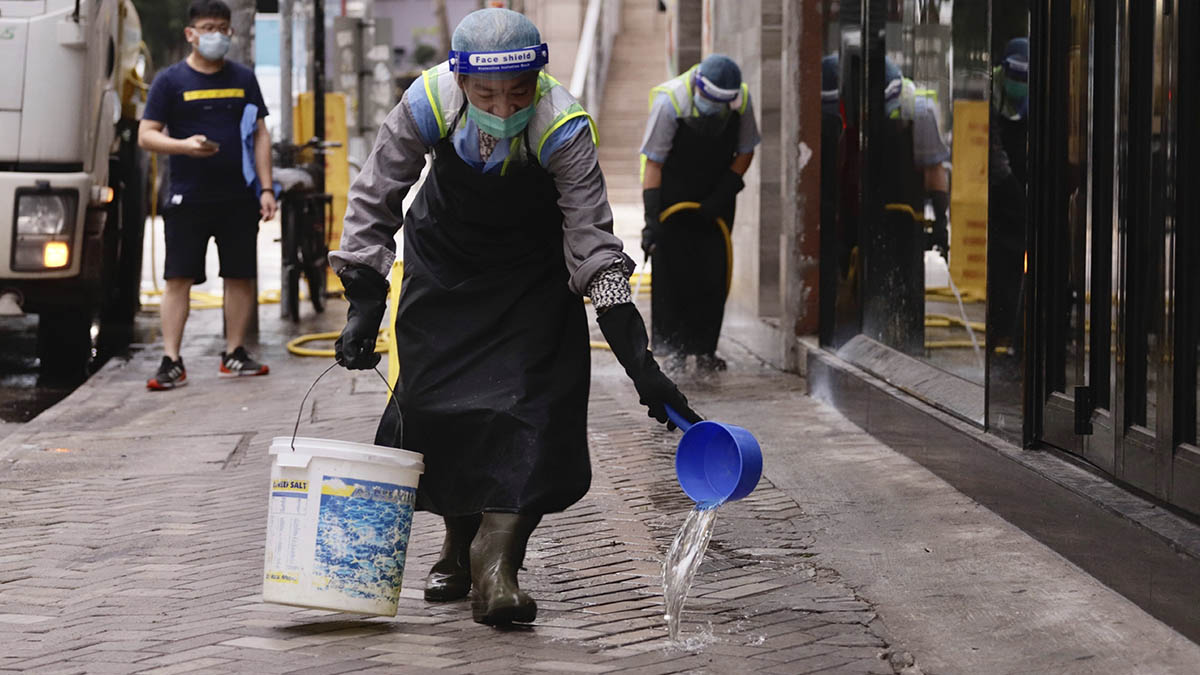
{"type": "Point", "coordinates": [714, 92]}
{"type": "Point", "coordinates": [508, 61]}
{"type": "Point", "coordinates": [1016, 69]}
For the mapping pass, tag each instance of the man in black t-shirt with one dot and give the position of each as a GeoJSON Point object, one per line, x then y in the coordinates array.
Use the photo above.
{"type": "Point", "coordinates": [207, 114]}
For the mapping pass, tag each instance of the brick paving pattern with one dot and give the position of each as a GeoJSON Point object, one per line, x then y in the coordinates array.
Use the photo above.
{"type": "Point", "coordinates": [131, 542]}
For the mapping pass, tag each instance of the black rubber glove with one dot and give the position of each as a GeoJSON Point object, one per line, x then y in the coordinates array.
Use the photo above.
{"type": "Point", "coordinates": [367, 292]}
{"type": "Point", "coordinates": [652, 201]}
{"type": "Point", "coordinates": [625, 331]}
{"type": "Point", "coordinates": [719, 203]}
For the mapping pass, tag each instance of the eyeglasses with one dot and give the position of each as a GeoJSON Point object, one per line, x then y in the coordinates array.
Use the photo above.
{"type": "Point", "coordinates": [224, 29]}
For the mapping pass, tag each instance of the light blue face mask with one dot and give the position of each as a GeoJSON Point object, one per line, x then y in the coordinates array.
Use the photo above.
{"type": "Point", "coordinates": [500, 127]}
{"type": "Point", "coordinates": [708, 107]}
{"type": "Point", "coordinates": [213, 46]}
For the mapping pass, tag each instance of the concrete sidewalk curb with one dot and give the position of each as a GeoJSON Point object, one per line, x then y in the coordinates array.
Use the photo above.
{"type": "Point", "coordinates": [1141, 539]}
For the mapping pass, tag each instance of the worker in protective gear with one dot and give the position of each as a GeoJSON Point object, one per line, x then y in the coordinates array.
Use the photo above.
{"type": "Point", "coordinates": [699, 142]}
{"type": "Point", "coordinates": [1007, 179]}
{"type": "Point", "coordinates": [510, 228]}
{"type": "Point", "coordinates": [917, 110]}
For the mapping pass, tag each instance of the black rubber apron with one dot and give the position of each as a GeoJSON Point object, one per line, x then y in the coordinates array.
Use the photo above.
{"type": "Point", "coordinates": [493, 346]}
{"type": "Point", "coordinates": [687, 300]}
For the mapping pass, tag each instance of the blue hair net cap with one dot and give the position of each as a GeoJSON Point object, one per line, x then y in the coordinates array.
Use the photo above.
{"type": "Point", "coordinates": [721, 71]}
{"type": "Point", "coordinates": [891, 71]}
{"type": "Point", "coordinates": [1016, 58]}
{"type": "Point", "coordinates": [829, 84]}
{"type": "Point", "coordinates": [492, 30]}
{"type": "Point", "coordinates": [829, 72]}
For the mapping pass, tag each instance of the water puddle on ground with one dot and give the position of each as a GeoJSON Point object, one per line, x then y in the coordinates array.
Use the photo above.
{"type": "Point", "coordinates": [683, 559]}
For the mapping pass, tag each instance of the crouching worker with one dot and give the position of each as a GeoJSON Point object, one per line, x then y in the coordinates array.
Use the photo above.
{"type": "Point", "coordinates": [699, 142]}
{"type": "Point", "coordinates": [510, 228]}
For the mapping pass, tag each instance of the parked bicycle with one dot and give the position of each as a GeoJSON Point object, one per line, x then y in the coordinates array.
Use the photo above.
{"type": "Point", "coordinates": [306, 216]}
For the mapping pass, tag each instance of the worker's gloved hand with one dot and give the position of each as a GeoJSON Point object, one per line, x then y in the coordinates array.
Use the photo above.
{"type": "Point", "coordinates": [723, 196]}
{"type": "Point", "coordinates": [367, 292]}
{"type": "Point", "coordinates": [652, 203]}
{"type": "Point", "coordinates": [625, 331]}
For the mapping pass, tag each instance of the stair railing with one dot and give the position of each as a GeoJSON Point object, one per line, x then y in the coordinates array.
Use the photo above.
{"type": "Point", "coordinates": [600, 27]}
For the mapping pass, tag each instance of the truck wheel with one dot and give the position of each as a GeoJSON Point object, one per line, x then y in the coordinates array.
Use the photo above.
{"type": "Point", "coordinates": [65, 345]}
{"type": "Point", "coordinates": [131, 209]}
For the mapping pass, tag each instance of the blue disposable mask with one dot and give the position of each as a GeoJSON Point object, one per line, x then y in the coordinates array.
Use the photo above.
{"type": "Point", "coordinates": [500, 127]}
{"type": "Point", "coordinates": [707, 107]}
{"type": "Point", "coordinates": [213, 46]}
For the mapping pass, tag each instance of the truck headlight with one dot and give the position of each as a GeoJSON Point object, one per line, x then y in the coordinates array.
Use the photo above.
{"type": "Point", "coordinates": [45, 229]}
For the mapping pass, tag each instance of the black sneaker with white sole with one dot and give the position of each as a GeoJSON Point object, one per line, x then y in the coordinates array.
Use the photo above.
{"type": "Point", "coordinates": [170, 375]}
{"type": "Point", "coordinates": [239, 364]}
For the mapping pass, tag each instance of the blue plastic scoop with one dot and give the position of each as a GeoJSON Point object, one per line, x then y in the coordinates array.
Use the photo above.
{"type": "Point", "coordinates": [716, 462]}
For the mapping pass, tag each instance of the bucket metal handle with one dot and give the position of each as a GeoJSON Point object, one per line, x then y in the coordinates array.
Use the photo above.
{"type": "Point", "coordinates": [300, 412]}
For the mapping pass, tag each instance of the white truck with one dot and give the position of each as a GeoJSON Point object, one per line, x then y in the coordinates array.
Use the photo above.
{"type": "Point", "coordinates": [71, 176]}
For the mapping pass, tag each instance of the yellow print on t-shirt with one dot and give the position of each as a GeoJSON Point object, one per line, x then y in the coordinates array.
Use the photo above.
{"type": "Point", "coordinates": [201, 94]}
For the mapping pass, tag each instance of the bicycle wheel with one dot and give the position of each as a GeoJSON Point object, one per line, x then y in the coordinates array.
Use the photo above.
{"type": "Point", "coordinates": [289, 276]}
{"type": "Point", "coordinates": [289, 293]}
{"type": "Point", "coordinates": [316, 286]}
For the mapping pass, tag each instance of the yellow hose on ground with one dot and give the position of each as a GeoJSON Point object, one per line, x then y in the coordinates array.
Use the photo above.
{"type": "Point", "coordinates": [382, 343]}
{"type": "Point", "coordinates": [945, 321]}
{"type": "Point", "coordinates": [949, 344]}
{"type": "Point", "coordinates": [942, 294]}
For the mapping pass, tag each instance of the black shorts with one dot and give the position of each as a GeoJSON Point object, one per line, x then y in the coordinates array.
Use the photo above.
{"type": "Point", "coordinates": [234, 224]}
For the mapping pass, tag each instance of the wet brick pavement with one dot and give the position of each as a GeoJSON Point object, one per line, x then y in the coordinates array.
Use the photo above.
{"type": "Point", "coordinates": [132, 528]}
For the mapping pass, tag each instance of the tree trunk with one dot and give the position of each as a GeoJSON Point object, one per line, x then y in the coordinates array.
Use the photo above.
{"type": "Point", "coordinates": [443, 22]}
{"type": "Point", "coordinates": [242, 49]}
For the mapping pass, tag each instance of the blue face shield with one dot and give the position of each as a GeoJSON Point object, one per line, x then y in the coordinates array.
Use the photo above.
{"type": "Point", "coordinates": [500, 127]}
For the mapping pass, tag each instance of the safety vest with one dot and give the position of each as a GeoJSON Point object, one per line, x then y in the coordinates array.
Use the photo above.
{"type": "Point", "coordinates": [553, 106]}
{"type": "Point", "coordinates": [679, 90]}
{"type": "Point", "coordinates": [908, 96]}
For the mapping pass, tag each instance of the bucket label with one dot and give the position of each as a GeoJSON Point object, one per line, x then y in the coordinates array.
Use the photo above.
{"type": "Point", "coordinates": [289, 506]}
{"type": "Point", "coordinates": [362, 537]}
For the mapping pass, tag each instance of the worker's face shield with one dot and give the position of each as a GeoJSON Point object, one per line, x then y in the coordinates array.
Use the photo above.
{"type": "Point", "coordinates": [502, 98]}
{"type": "Point", "coordinates": [500, 86]}
{"type": "Point", "coordinates": [711, 99]}
{"type": "Point", "coordinates": [1016, 79]}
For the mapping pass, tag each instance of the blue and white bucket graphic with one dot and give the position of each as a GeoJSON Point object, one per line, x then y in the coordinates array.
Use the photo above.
{"type": "Point", "coordinates": [339, 522]}
{"type": "Point", "coordinates": [362, 536]}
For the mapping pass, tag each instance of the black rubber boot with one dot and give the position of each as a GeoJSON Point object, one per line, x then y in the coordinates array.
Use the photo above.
{"type": "Point", "coordinates": [496, 554]}
{"type": "Point", "coordinates": [450, 577]}
{"type": "Point", "coordinates": [711, 363]}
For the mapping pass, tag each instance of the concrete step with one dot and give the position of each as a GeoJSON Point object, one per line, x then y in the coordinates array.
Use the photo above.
{"type": "Point", "coordinates": [639, 62]}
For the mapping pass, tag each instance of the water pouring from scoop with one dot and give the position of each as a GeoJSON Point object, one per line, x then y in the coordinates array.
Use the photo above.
{"type": "Point", "coordinates": [715, 463]}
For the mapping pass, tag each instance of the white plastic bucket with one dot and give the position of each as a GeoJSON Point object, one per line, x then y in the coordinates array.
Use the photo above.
{"type": "Point", "coordinates": [338, 524]}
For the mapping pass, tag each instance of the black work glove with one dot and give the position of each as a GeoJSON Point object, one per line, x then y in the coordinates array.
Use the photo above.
{"type": "Point", "coordinates": [367, 292]}
{"type": "Point", "coordinates": [652, 201]}
{"type": "Point", "coordinates": [721, 201]}
{"type": "Point", "coordinates": [625, 331]}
